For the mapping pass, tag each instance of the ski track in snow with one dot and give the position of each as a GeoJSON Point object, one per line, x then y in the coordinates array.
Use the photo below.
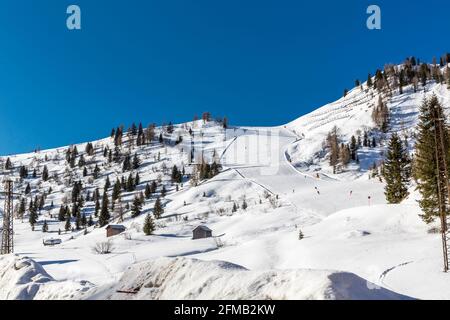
{"type": "Point", "coordinates": [385, 273]}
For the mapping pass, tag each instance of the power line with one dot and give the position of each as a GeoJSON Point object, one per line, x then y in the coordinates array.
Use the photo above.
{"type": "Point", "coordinates": [8, 232]}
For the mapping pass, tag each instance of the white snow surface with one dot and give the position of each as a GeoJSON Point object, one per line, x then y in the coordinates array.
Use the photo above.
{"type": "Point", "coordinates": [24, 279]}
{"type": "Point", "coordinates": [184, 278]}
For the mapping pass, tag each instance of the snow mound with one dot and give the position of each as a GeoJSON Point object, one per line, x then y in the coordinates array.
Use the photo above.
{"type": "Point", "coordinates": [183, 278]}
{"type": "Point", "coordinates": [24, 279]}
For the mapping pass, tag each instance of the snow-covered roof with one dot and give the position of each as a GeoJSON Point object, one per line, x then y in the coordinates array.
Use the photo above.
{"type": "Point", "coordinates": [203, 227]}
{"type": "Point", "coordinates": [116, 226]}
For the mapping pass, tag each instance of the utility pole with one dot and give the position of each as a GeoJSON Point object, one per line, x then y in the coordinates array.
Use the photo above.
{"type": "Point", "coordinates": [8, 232]}
{"type": "Point", "coordinates": [442, 180]}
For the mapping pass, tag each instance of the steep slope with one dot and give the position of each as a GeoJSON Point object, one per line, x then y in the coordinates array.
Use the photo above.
{"type": "Point", "coordinates": [352, 115]}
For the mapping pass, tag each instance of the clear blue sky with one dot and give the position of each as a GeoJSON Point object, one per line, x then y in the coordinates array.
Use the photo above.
{"type": "Point", "coordinates": [257, 62]}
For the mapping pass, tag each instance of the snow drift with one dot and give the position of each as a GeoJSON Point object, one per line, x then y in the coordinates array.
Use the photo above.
{"type": "Point", "coordinates": [24, 279]}
{"type": "Point", "coordinates": [184, 278]}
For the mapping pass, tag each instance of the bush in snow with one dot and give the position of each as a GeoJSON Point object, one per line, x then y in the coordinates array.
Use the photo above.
{"type": "Point", "coordinates": [103, 247]}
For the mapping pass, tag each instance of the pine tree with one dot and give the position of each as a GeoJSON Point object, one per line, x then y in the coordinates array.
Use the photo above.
{"type": "Point", "coordinates": [104, 212]}
{"type": "Point", "coordinates": [89, 149]}
{"type": "Point", "coordinates": [380, 115]}
{"type": "Point", "coordinates": [244, 205]}
{"type": "Point", "coordinates": [8, 164]}
{"type": "Point", "coordinates": [149, 225]}
{"type": "Point", "coordinates": [62, 213]}
{"type": "Point", "coordinates": [158, 209]}
{"type": "Point", "coordinates": [126, 165]}
{"type": "Point", "coordinates": [153, 186]}
{"type": "Point", "coordinates": [225, 123]}
{"type": "Point", "coordinates": [333, 146]}
{"type": "Point", "coordinates": [27, 189]}
{"type": "Point", "coordinates": [133, 129]}
{"type": "Point", "coordinates": [68, 225]}
{"type": "Point", "coordinates": [117, 189]}
{"type": "Point", "coordinates": [396, 171]}
{"type": "Point", "coordinates": [345, 154]}
{"type": "Point", "coordinates": [136, 162]}
{"type": "Point", "coordinates": [96, 172]}
{"type": "Point", "coordinates": [130, 183]}
{"type": "Point", "coordinates": [75, 210]}
{"type": "Point", "coordinates": [353, 148]}
{"type": "Point", "coordinates": [97, 207]}
{"type": "Point", "coordinates": [45, 173]}
{"type": "Point", "coordinates": [136, 207]}
{"type": "Point", "coordinates": [148, 191]}
{"type": "Point", "coordinates": [401, 81]}
{"type": "Point", "coordinates": [369, 81]}
{"type": "Point", "coordinates": [81, 162]}
{"type": "Point", "coordinates": [107, 183]}
{"type": "Point", "coordinates": [123, 183]}
{"type": "Point", "coordinates": [425, 164]}
{"type": "Point", "coordinates": [23, 172]}
{"type": "Point", "coordinates": [45, 226]}
{"type": "Point", "coordinates": [150, 133]}
{"type": "Point", "coordinates": [176, 175]}
{"type": "Point", "coordinates": [41, 202]}
{"type": "Point", "coordinates": [118, 136]}
{"type": "Point", "coordinates": [22, 207]}
{"type": "Point", "coordinates": [137, 180]}
{"type": "Point", "coordinates": [33, 215]}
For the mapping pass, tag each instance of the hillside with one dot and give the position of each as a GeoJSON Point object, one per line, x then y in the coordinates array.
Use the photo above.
{"type": "Point", "coordinates": [271, 183]}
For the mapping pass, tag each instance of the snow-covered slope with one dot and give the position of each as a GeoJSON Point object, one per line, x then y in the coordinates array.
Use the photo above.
{"type": "Point", "coordinates": [352, 115]}
{"type": "Point", "coordinates": [274, 183]}
{"type": "Point", "coordinates": [24, 279]}
{"type": "Point", "coordinates": [182, 278]}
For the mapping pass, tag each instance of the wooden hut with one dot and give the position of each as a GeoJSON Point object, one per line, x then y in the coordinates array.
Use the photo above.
{"type": "Point", "coordinates": [201, 232]}
{"type": "Point", "coordinates": [114, 229]}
